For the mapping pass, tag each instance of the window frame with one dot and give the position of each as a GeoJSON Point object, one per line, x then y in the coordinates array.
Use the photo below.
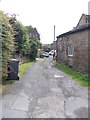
{"type": "Point", "coordinates": [71, 55]}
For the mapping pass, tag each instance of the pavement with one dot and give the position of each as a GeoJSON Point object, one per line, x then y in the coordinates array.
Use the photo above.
{"type": "Point", "coordinates": [45, 92]}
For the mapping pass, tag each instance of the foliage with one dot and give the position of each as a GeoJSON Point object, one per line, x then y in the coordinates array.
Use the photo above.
{"type": "Point", "coordinates": [47, 50]}
{"type": "Point", "coordinates": [35, 43]}
{"type": "Point", "coordinates": [43, 61]}
{"type": "Point", "coordinates": [7, 82]}
{"type": "Point", "coordinates": [26, 39]}
{"type": "Point", "coordinates": [34, 50]}
{"type": "Point", "coordinates": [2, 88]}
{"type": "Point", "coordinates": [7, 42]}
{"type": "Point", "coordinates": [21, 37]}
{"type": "Point", "coordinates": [17, 40]}
{"type": "Point", "coordinates": [33, 33]}
{"type": "Point", "coordinates": [79, 77]}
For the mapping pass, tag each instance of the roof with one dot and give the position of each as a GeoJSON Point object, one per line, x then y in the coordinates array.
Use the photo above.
{"type": "Point", "coordinates": [84, 27]}
{"type": "Point", "coordinates": [80, 28]}
{"type": "Point", "coordinates": [87, 19]}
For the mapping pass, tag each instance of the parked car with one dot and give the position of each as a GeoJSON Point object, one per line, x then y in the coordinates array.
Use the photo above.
{"type": "Point", "coordinates": [46, 54]}
{"type": "Point", "coordinates": [51, 52]}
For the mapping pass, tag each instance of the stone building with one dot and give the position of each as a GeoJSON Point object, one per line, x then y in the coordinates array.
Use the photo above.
{"type": "Point", "coordinates": [46, 47]}
{"type": "Point", "coordinates": [72, 46]}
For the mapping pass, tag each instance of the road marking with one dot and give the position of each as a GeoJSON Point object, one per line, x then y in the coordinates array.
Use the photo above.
{"type": "Point", "coordinates": [49, 67]}
{"type": "Point", "coordinates": [58, 76]}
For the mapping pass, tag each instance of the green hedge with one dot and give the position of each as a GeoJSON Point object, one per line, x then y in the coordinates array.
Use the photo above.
{"type": "Point", "coordinates": [7, 42]}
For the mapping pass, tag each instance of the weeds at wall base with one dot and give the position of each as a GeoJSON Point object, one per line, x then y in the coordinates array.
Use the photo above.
{"type": "Point", "coordinates": [81, 78]}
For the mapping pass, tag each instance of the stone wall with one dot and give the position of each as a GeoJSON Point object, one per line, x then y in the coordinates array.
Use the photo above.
{"type": "Point", "coordinates": [79, 60]}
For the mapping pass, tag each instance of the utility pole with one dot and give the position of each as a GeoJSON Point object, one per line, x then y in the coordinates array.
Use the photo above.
{"type": "Point", "coordinates": [54, 32]}
{"type": "Point", "coordinates": [54, 38]}
{"type": "Point", "coordinates": [54, 43]}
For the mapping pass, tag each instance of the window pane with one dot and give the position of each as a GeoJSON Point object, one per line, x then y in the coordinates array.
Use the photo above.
{"type": "Point", "coordinates": [70, 50]}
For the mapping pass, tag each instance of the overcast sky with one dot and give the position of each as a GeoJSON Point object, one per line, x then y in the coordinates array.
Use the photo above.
{"type": "Point", "coordinates": [44, 14]}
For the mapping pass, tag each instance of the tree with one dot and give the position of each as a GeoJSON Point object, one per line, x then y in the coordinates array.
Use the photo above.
{"type": "Point", "coordinates": [34, 45]}
{"type": "Point", "coordinates": [34, 50]}
{"type": "Point", "coordinates": [34, 39]}
{"type": "Point", "coordinates": [33, 33]}
{"type": "Point", "coordinates": [21, 37]}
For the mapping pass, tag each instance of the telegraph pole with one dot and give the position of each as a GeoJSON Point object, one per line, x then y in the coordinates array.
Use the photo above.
{"type": "Point", "coordinates": [54, 43]}
{"type": "Point", "coordinates": [54, 38]}
{"type": "Point", "coordinates": [54, 33]}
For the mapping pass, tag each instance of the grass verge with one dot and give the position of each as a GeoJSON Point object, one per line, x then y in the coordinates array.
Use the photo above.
{"type": "Point", "coordinates": [23, 67]}
{"type": "Point", "coordinates": [82, 79]}
{"type": "Point", "coordinates": [43, 61]}
{"type": "Point", "coordinates": [2, 88]}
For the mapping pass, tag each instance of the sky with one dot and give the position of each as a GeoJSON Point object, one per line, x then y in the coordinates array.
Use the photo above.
{"type": "Point", "coordinates": [44, 14]}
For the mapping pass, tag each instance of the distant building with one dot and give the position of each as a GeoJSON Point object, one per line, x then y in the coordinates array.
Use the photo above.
{"type": "Point", "coordinates": [46, 47]}
{"type": "Point", "coordinates": [72, 46]}
{"type": "Point", "coordinates": [53, 46]}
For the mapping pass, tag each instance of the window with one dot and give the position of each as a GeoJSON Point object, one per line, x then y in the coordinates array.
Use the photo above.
{"type": "Point", "coordinates": [60, 38]}
{"type": "Point", "coordinates": [70, 50]}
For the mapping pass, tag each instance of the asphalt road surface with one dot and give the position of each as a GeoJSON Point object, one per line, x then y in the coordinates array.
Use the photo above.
{"type": "Point", "coordinates": [45, 92]}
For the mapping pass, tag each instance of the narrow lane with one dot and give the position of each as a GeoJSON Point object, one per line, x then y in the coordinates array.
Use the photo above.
{"type": "Point", "coordinates": [45, 92]}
